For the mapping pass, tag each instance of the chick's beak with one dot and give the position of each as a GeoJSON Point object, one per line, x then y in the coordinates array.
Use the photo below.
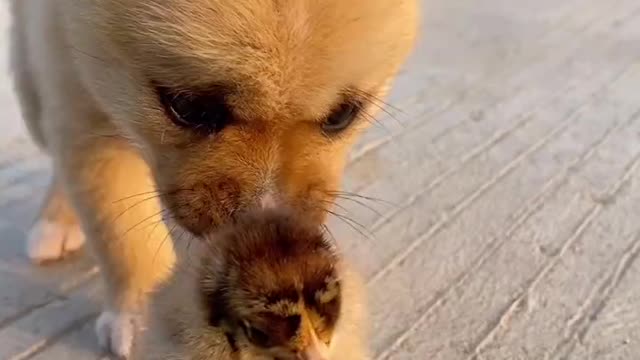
{"type": "Point", "coordinates": [315, 349]}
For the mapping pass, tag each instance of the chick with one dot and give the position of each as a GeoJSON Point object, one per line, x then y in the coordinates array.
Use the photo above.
{"type": "Point", "coordinates": [269, 287]}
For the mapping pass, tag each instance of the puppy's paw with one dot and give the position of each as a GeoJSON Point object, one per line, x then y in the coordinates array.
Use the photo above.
{"type": "Point", "coordinates": [116, 331]}
{"type": "Point", "coordinates": [50, 241]}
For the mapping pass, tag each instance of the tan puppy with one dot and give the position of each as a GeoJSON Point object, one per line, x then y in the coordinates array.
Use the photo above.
{"type": "Point", "coordinates": [268, 287]}
{"type": "Point", "coordinates": [212, 105]}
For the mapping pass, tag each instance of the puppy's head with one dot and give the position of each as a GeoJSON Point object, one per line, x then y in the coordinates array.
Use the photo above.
{"type": "Point", "coordinates": [242, 102]}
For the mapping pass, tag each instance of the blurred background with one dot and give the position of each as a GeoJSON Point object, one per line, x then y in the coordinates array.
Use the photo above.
{"type": "Point", "coordinates": [501, 218]}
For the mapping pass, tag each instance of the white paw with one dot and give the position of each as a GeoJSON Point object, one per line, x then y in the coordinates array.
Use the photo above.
{"type": "Point", "coordinates": [50, 241]}
{"type": "Point", "coordinates": [116, 331]}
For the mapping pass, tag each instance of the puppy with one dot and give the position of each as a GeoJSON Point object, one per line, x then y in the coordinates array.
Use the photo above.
{"type": "Point", "coordinates": [269, 287]}
{"type": "Point", "coordinates": [191, 110]}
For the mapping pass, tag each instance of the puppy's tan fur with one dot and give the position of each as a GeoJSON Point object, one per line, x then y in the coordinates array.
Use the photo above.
{"type": "Point", "coordinates": [86, 72]}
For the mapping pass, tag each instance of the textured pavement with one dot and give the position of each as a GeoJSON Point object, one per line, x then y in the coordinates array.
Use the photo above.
{"type": "Point", "coordinates": [509, 170]}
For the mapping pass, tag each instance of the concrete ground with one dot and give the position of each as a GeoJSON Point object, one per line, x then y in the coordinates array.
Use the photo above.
{"type": "Point", "coordinates": [510, 173]}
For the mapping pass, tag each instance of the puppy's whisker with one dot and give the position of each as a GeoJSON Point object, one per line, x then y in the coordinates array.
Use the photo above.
{"type": "Point", "coordinates": [345, 194]}
{"type": "Point", "coordinates": [165, 214]}
{"type": "Point", "coordinates": [158, 192]}
{"type": "Point", "coordinates": [358, 227]}
{"type": "Point", "coordinates": [86, 54]}
{"type": "Point", "coordinates": [355, 222]}
{"type": "Point", "coordinates": [373, 120]}
{"type": "Point", "coordinates": [163, 218]}
{"type": "Point", "coordinates": [367, 197]}
{"type": "Point", "coordinates": [134, 205]}
{"type": "Point", "coordinates": [159, 213]}
{"type": "Point", "coordinates": [162, 243]}
{"type": "Point", "coordinates": [352, 225]}
{"type": "Point", "coordinates": [326, 229]}
{"type": "Point", "coordinates": [154, 192]}
{"type": "Point", "coordinates": [355, 201]}
{"type": "Point", "coordinates": [361, 203]}
{"type": "Point", "coordinates": [141, 202]}
{"type": "Point", "coordinates": [389, 113]}
{"type": "Point", "coordinates": [374, 99]}
{"type": "Point", "coordinates": [338, 205]}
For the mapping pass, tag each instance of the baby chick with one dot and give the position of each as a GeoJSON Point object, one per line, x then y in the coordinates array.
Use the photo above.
{"type": "Point", "coordinates": [269, 287]}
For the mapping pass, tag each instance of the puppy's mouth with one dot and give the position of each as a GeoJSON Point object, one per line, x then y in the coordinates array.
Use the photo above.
{"type": "Point", "coordinates": [202, 210]}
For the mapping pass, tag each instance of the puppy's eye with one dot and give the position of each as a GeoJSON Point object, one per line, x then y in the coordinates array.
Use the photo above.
{"type": "Point", "coordinates": [341, 118]}
{"type": "Point", "coordinates": [206, 114]}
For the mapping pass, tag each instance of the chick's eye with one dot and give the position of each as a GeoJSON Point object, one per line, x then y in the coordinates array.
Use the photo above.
{"type": "Point", "coordinates": [341, 118]}
{"type": "Point", "coordinates": [256, 336]}
{"type": "Point", "coordinates": [204, 113]}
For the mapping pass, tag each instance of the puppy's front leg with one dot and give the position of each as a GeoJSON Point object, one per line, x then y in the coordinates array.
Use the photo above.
{"type": "Point", "coordinates": [111, 188]}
